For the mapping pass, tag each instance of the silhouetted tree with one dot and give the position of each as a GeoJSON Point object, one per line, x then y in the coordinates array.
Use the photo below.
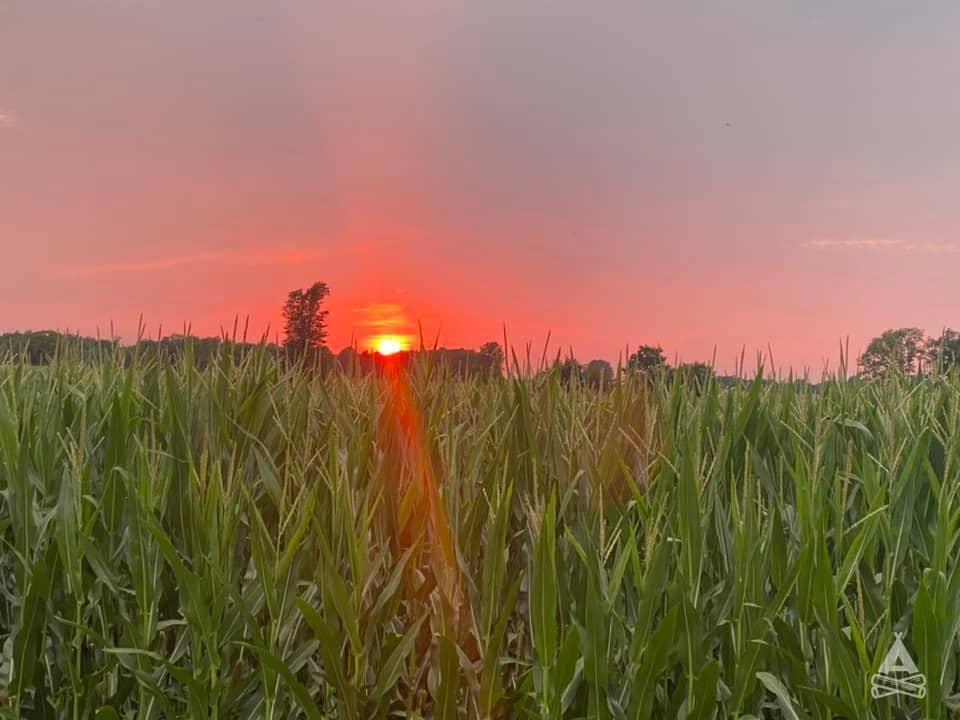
{"type": "Point", "coordinates": [902, 349]}
{"type": "Point", "coordinates": [648, 357]}
{"type": "Point", "coordinates": [598, 373]}
{"type": "Point", "coordinates": [494, 355]}
{"type": "Point", "coordinates": [305, 328]}
{"type": "Point", "coordinates": [943, 352]}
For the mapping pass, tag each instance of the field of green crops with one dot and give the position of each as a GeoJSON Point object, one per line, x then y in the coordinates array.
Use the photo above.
{"type": "Point", "coordinates": [253, 541]}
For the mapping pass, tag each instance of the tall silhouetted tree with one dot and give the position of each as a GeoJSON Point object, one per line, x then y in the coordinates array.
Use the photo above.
{"type": "Point", "coordinates": [901, 349]}
{"type": "Point", "coordinates": [943, 352]}
{"type": "Point", "coordinates": [305, 327]}
{"type": "Point", "coordinates": [648, 357]}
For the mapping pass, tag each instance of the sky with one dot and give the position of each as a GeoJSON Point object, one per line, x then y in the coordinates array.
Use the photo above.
{"type": "Point", "coordinates": [710, 177]}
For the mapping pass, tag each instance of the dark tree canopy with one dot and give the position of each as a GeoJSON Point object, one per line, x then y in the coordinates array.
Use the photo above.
{"type": "Point", "coordinates": [648, 357]}
{"type": "Point", "coordinates": [494, 355]}
{"type": "Point", "coordinates": [943, 352]}
{"type": "Point", "coordinates": [305, 322]}
{"type": "Point", "coordinates": [902, 350]}
{"type": "Point", "coordinates": [598, 374]}
{"type": "Point", "coordinates": [41, 346]}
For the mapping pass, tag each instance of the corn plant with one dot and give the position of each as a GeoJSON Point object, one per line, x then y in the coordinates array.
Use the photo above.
{"type": "Point", "coordinates": [255, 539]}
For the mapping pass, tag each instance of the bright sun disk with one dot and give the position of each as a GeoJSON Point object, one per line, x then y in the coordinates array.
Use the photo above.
{"type": "Point", "coordinates": [388, 345]}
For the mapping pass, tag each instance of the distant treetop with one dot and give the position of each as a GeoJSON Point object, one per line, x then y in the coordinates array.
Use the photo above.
{"type": "Point", "coordinates": [647, 357]}
{"type": "Point", "coordinates": [909, 352]}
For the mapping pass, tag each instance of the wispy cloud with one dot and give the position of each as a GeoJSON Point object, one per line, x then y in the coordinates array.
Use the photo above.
{"type": "Point", "coordinates": [219, 257]}
{"type": "Point", "coordinates": [382, 316]}
{"type": "Point", "coordinates": [934, 248]}
{"type": "Point", "coordinates": [7, 120]}
{"type": "Point", "coordinates": [863, 243]}
{"type": "Point", "coordinates": [890, 244]}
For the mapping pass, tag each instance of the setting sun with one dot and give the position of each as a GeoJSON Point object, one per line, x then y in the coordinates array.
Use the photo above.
{"type": "Point", "coordinates": [389, 344]}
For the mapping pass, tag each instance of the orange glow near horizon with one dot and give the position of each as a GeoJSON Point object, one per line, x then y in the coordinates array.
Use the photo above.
{"type": "Point", "coordinates": [385, 326]}
{"type": "Point", "coordinates": [389, 344]}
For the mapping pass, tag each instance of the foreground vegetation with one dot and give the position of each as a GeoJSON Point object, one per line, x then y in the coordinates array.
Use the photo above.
{"type": "Point", "coordinates": [247, 540]}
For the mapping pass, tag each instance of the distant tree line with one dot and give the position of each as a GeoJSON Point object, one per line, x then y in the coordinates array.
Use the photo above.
{"type": "Point", "coordinates": [907, 350]}
{"type": "Point", "coordinates": [648, 359]}
{"type": "Point", "coordinates": [461, 362]}
{"type": "Point", "coordinates": [910, 352]}
{"type": "Point", "coordinates": [41, 347]}
{"type": "Point", "coordinates": [305, 333]}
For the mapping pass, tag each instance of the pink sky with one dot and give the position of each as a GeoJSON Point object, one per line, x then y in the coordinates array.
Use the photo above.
{"type": "Point", "coordinates": [766, 176]}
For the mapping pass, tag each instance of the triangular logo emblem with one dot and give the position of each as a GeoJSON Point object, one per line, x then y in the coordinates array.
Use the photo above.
{"type": "Point", "coordinates": [898, 674]}
{"type": "Point", "coordinates": [898, 660]}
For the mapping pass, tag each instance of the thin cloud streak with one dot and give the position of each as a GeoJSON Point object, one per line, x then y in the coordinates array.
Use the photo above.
{"type": "Point", "coordinates": [862, 243]}
{"type": "Point", "coordinates": [875, 244]}
{"type": "Point", "coordinates": [934, 248]}
{"type": "Point", "coordinates": [245, 259]}
{"type": "Point", "coordinates": [7, 120]}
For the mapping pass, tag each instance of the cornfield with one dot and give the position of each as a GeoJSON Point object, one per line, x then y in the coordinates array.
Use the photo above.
{"type": "Point", "coordinates": [255, 540]}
